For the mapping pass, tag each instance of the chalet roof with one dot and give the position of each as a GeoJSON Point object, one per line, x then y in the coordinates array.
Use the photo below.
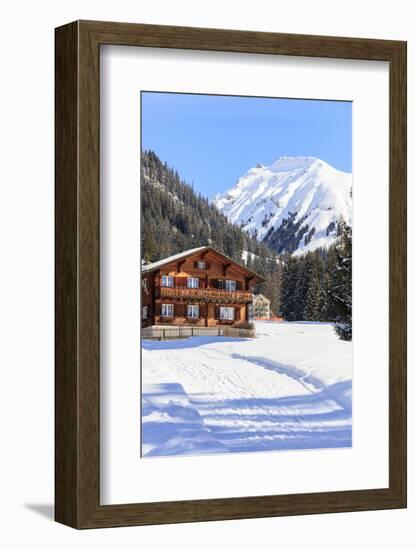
{"type": "Point", "coordinates": [262, 298]}
{"type": "Point", "coordinates": [170, 259]}
{"type": "Point", "coordinates": [148, 268]}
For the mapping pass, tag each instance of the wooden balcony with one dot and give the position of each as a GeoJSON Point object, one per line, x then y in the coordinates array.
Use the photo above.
{"type": "Point", "coordinates": [205, 294]}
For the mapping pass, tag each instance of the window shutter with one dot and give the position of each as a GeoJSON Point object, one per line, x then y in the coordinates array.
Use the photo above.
{"type": "Point", "coordinates": [158, 309]}
{"type": "Point", "coordinates": [213, 283]}
{"type": "Point", "coordinates": [207, 265]}
{"type": "Point", "coordinates": [202, 283]}
{"type": "Point", "coordinates": [202, 311]}
{"type": "Point", "coordinates": [220, 284]}
{"type": "Point", "coordinates": [195, 265]}
{"type": "Point", "coordinates": [217, 312]}
{"type": "Point", "coordinates": [238, 285]}
{"type": "Point", "coordinates": [237, 313]}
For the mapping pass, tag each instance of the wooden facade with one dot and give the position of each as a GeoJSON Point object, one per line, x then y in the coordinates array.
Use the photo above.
{"type": "Point", "coordinates": [199, 287]}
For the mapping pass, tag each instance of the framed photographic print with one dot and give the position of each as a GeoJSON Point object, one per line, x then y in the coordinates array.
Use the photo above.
{"type": "Point", "coordinates": [230, 274]}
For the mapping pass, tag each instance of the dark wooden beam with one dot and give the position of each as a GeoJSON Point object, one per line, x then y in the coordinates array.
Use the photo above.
{"type": "Point", "coordinates": [249, 279]}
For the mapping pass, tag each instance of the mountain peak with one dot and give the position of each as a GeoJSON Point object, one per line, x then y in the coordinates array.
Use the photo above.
{"type": "Point", "coordinates": [286, 164]}
{"type": "Point", "coordinates": [302, 196]}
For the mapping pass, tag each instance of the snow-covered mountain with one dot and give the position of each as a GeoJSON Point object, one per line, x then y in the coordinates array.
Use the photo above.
{"type": "Point", "coordinates": [293, 205]}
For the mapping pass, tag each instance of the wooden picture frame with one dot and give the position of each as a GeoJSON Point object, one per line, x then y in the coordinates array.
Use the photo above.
{"type": "Point", "coordinates": [77, 382]}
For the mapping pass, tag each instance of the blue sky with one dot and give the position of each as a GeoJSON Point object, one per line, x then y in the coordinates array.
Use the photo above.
{"type": "Point", "coordinates": [213, 140]}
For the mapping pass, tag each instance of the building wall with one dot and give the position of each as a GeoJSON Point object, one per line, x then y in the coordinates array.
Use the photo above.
{"type": "Point", "coordinates": [183, 320]}
{"type": "Point", "coordinates": [186, 268]}
{"type": "Point", "coordinates": [261, 307]}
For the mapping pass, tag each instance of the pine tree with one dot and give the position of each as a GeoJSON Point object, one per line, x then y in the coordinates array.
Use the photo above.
{"type": "Point", "coordinates": [304, 272]}
{"type": "Point", "coordinates": [314, 297]}
{"type": "Point", "coordinates": [327, 310]}
{"type": "Point", "coordinates": [149, 245]}
{"type": "Point", "coordinates": [288, 286]}
{"type": "Point", "coordinates": [341, 287]}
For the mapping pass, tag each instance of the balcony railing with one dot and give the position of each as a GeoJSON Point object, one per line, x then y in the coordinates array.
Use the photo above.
{"type": "Point", "coordinates": [206, 294]}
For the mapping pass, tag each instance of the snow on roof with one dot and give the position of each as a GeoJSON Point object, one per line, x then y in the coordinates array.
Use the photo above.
{"type": "Point", "coordinates": [155, 265]}
{"type": "Point", "coordinates": [170, 259]}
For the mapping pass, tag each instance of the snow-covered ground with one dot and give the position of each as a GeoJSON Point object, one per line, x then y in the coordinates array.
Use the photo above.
{"type": "Point", "coordinates": [289, 388]}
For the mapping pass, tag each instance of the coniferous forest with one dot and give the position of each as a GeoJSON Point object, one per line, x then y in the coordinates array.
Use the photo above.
{"type": "Point", "coordinates": [315, 286]}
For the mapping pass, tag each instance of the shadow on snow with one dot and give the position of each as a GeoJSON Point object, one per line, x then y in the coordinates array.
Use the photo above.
{"type": "Point", "coordinates": [202, 424]}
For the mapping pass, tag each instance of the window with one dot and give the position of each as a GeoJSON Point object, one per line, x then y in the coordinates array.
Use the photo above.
{"type": "Point", "coordinates": [167, 280]}
{"type": "Point", "coordinates": [230, 285]}
{"type": "Point", "coordinates": [145, 312]}
{"type": "Point", "coordinates": [201, 265]}
{"type": "Point", "coordinates": [167, 310]}
{"type": "Point", "coordinates": [192, 311]}
{"type": "Point", "coordinates": [227, 313]}
{"type": "Point", "coordinates": [192, 282]}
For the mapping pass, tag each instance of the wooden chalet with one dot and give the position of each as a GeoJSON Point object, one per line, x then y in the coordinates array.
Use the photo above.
{"type": "Point", "coordinates": [201, 287]}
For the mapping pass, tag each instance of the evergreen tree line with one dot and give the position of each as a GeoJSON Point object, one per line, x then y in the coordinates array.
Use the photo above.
{"type": "Point", "coordinates": [317, 286]}
{"type": "Point", "coordinates": [176, 218]}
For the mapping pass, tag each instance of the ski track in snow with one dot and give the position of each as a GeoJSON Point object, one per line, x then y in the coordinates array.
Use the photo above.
{"type": "Point", "coordinates": [215, 395]}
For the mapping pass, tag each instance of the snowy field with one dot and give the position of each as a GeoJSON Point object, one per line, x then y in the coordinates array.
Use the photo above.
{"type": "Point", "coordinates": [289, 388]}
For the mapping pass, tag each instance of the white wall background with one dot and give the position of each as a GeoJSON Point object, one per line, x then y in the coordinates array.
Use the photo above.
{"type": "Point", "coordinates": [26, 272]}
